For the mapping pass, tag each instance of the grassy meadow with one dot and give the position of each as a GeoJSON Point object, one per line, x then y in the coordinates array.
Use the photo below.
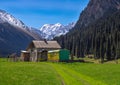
{"type": "Point", "coordinates": [48, 73]}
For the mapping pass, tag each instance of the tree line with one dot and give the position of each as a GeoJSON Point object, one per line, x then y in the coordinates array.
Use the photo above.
{"type": "Point", "coordinates": [101, 38]}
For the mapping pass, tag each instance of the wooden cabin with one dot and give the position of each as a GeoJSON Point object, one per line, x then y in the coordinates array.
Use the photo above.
{"type": "Point", "coordinates": [38, 50]}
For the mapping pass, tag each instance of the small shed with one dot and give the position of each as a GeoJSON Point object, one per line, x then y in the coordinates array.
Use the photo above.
{"type": "Point", "coordinates": [13, 57]}
{"type": "Point", "coordinates": [58, 55]}
{"type": "Point", "coordinates": [25, 56]}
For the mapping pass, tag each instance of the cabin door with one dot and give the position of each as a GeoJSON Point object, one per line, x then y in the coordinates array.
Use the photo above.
{"type": "Point", "coordinates": [27, 57]}
{"type": "Point", "coordinates": [44, 55]}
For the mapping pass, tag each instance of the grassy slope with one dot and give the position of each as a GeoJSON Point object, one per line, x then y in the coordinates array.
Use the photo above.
{"type": "Point", "coordinates": [31, 73]}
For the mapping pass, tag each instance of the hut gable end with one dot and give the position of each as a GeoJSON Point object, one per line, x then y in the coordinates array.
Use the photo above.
{"type": "Point", "coordinates": [30, 46]}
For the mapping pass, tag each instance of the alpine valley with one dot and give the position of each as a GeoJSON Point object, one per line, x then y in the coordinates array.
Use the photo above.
{"type": "Point", "coordinates": [15, 35]}
{"type": "Point", "coordinates": [96, 32]}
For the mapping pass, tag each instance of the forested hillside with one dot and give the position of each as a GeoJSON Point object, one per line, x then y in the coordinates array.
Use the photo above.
{"type": "Point", "coordinates": [101, 38]}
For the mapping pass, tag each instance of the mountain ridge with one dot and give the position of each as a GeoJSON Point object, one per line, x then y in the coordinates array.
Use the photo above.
{"type": "Point", "coordinates": [95, 10]}
{"type": "Point", "coordinates": [49, 31]}
{"type": "Point", "coordinates": [6, 17]}
{"type": "Point", "coordinates": [14, 34]}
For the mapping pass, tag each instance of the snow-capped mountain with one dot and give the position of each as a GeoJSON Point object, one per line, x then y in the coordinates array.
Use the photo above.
{"type": "Point", "coordinates": [49, 31]}
{"type": "Point", "coordinates": [6, 17]}
{"type": "Point", "coordinates": [14, 34]}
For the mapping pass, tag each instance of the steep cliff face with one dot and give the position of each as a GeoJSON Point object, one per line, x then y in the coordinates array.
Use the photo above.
{"type": "Point", "coordinates": [97, 9]}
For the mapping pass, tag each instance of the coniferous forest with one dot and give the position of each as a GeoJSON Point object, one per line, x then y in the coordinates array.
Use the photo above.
{"type": "Point", "coordinates": [101, 38]}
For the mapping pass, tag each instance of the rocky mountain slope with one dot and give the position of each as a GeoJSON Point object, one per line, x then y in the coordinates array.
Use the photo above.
{"type": "Point", "coordinates": [14, 34]}
{"type": "Point", "coordinates": [95, 10]}
{"type": "Point", "coordinates": [8, 18]}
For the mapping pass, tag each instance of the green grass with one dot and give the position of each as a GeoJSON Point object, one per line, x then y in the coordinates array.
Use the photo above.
{"type": "Point", "coordinates": [47, 73]}
{"type": "Point", "coordinates": [71, 76]}
{"type": "Point", "coordinates": [93, 74]}
{"type": "Point", "coordinates": [27, 73]}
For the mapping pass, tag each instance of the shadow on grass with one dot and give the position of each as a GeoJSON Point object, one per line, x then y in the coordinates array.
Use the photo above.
{"type": "Point", "coordinates": [80, 61]}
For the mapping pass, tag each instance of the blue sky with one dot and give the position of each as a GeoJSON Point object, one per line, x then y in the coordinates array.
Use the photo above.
{"type": "Point", "coordinates": [36, 13]}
